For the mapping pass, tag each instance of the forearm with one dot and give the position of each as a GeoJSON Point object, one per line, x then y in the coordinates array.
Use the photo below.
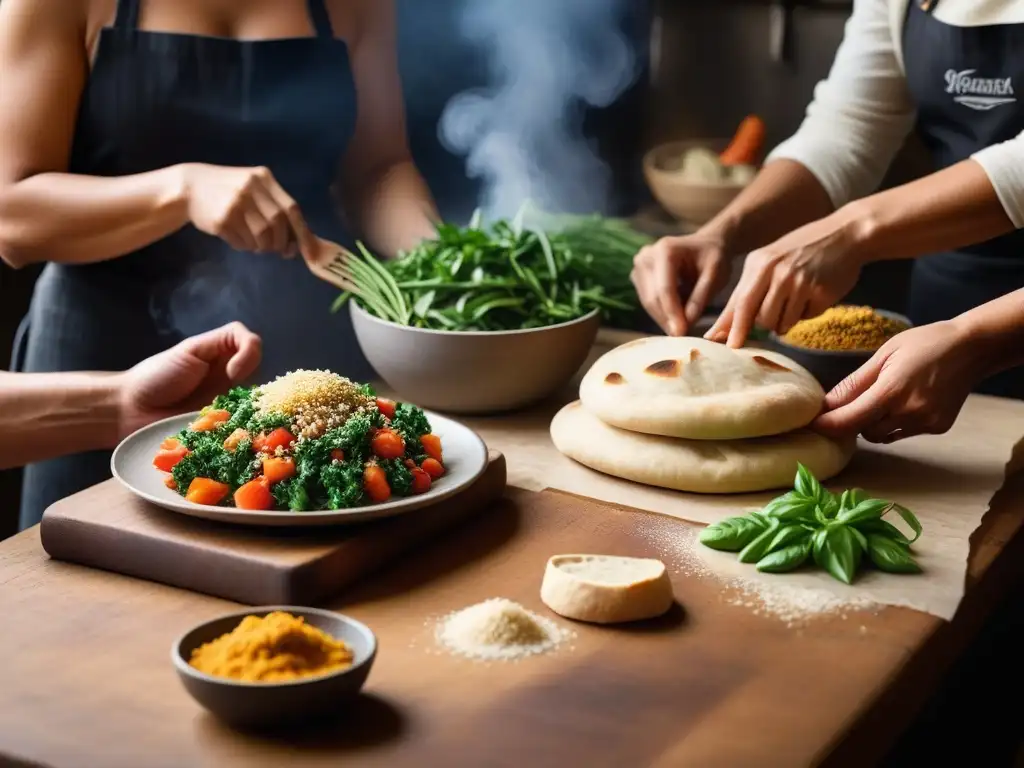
{"type": "Point", "coordinates": [80, 219]}
{"type": "Point", "coordinates": [995, 332]}
{"type": "Point", "coordinates": [394, 209]}
{"type": "Point", "coordinates": [781, 198]}
{"type": "Point", "coordinates": [944, 211]}
{"type": "Point", "coordinates": [43, 416]}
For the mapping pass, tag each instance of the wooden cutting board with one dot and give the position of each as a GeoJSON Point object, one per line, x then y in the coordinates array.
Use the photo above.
{"type": "Point", "coordinates": [107, 527]}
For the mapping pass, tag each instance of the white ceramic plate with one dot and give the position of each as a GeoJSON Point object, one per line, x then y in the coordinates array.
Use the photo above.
{"type": "Point", "coordinates": [465, 458]}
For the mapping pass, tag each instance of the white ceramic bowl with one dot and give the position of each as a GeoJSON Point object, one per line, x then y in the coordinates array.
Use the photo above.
{"type": "Point", "coordinates": [693, 203]}
{"type": "Point", "coordinates": [474, 372]}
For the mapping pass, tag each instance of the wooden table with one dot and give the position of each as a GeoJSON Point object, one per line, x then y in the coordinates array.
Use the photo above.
{"type": "Point", "coordinates": [86, 680]}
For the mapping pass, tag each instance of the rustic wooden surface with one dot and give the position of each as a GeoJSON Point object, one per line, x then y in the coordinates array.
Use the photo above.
{"type": "Point", "coordinates": [88, 681]}
{"type": "Point", "coordinates": [107, 527]}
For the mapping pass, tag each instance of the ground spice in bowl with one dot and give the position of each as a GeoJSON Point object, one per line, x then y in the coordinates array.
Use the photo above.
{"type": "Point", "coordinates": [844, 329]}
{"type": "Point", "coordinates": [275, 648]}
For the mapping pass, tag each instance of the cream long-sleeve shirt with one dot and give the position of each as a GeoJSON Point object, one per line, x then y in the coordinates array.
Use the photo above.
{"type": "Point", "coordinates": [863, 111]}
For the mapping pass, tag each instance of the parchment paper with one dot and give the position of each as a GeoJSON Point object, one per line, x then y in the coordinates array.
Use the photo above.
{"type": "Point", "coordinates": [948, 481]}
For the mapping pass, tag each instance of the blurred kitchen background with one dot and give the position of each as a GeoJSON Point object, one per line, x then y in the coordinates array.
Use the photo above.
{"type": "Point", "coordinates": [700, 67]}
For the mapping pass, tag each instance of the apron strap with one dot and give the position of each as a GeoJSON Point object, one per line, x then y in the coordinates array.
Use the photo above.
{"type": "Point", "coordinates": [317, 14]}
{"type": "Point", "coordinates": [127, 14]}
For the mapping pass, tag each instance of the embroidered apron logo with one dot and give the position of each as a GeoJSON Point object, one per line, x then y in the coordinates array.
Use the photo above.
{"type": "Point", "coordinates": [980, 93]}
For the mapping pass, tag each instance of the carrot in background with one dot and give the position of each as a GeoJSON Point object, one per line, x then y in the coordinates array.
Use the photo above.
{"type": "Point", "coordinates": [745, 147]}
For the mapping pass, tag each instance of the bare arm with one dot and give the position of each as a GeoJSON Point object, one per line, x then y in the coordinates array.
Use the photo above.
{"type": "Point", "coordinates": [950, 209]}
{"type": "Point", "coordinates": [46, 213]}
{"type": "Point", "coordinates": [381, 187]}
{"type": "Point", "coordinates": [51, 414]}
{"type": "Point", "coordinates": [997, 329]}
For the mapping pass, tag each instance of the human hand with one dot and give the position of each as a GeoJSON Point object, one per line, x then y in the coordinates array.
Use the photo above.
{"type": "Point", "coordinates": [800, 275]}
{"type": "Point", "coordinates": [187, 376]}
{"type": "Point", "coordinates": [915, 384]}
{"type": "Point", "coordinates": [246, 208]}
{"type": "Point", "coordinates": [691, 268]}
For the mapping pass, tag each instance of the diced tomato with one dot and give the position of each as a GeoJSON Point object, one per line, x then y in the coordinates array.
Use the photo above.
{"type": "Point", "coordinates": [202, 490]}
{"type": "Point", "coordinates": [387, 407]}
{"type": "Point", "coordinates": [432, 445]}
{"type": "Point", "coordinates": [169, 444]}
{"type": "Point", "coordinates": [375, 483]}
{"type": "Point", "coordinates": [387, 444]}
{"type": "Point", "coordinates": [236, 437]}
{"type": "Point", "coordinates": [420, 481]}
{"type": "Point", "coordinates": [269, 443]}
{"type": "Point", "coordinates": [210, 420]}
{"type": "Point", "coordinates": [433, 467]}
{"type": "Point", "coordinates": [409, 463]}
{"type": "Point", "coordinates": [277, 469]}
{"type": "Point", "coordinates": [170, 482]}
{"type": "Point", "coordinates": [166, 459]}
{"type": "Point", "coordinates": [338, 455]}
{"type": "Point", "coordinates": [255, 495]}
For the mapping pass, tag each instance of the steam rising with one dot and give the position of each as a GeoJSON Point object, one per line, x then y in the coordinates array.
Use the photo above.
{"type": "Point", "coordinates": [522, 135]}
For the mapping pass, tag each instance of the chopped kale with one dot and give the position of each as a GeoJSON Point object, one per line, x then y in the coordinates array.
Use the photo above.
{"type": "Point", "coordinates": [343, 484]}
{"type": "Point", "coordinates": [234, 399]}
{"type": "Point", "coordinates": [411, 423]}
{"type": "Point", "coordinates": [399, 476]}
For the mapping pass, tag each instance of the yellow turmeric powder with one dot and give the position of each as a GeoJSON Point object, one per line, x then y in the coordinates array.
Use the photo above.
{"type": "Point", "coordinates": [844, 328]}
{"type": "Point", "coordinates": [276, 648]}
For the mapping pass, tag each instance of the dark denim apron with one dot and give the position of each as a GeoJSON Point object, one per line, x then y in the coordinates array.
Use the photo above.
{"type": "Point", "coordinates": [955, 122]}
{"type": "Point", "coordinates": [157, 99]}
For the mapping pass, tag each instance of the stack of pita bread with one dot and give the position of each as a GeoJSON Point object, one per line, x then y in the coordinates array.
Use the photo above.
{"type": "Point", "coordinates": [694, 415]}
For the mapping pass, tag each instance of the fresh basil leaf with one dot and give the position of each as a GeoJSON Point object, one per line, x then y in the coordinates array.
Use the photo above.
{"type": "Point", "coordinates": [846, 501]}
{"type": "Point", "coordinates": [756, 549]}
{"type": "Point", "coordinates": [779, 502]}
{"type": "Point", "coordinates": [792, 511]}
{"type": "Point", "coordinates": [883, 528]}
{"type": "Point", "coordinates": [910, 519]}
{"type": "Point", "coordinates": [889, 556]}
{"type": "Point", "coordinates": [759, 518]}
{"type": "Point", "coordinates": [857, 495]}
{"type": "Point", "coordinates": [872, 509]}
{"type": "Point", "coordinates": [839, 552]}
{"type": "Point", "coordinates": [807, 484]}
{"type": "Point", "coordinates": [731, 534]}
{"type": "Point", "coordinates": [861, 539]}
{"type": "Point", "coordinates": [785, 536]}
{"type": "Point", "coordinates": [830, 504]}
{"type": "Point", "coordinates": [819, 515]}
{"type": "Point", "coordinates": [786, 559]}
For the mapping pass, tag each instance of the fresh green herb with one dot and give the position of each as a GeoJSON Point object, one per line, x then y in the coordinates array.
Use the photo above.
{"type": "Point", "coordinates": [838, 530]}
{"type": "Point", "coordinates": [505, 276]}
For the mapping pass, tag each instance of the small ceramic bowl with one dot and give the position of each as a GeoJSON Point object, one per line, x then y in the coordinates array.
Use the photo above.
{"type": "Point", "coordinates": [268, 705]}
{"type": "Point", "coordinates": [474, 372]}
{"type": "Point", "coordinates": [829, 367]}
{"type": "Point", "coordinates": [693, 203]}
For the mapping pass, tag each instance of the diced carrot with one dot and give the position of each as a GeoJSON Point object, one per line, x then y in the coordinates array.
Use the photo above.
{"type": "Point", "coordinates": [255, 495]}
{"type": "Point", "coordinates": [433, 467]}
{"type": "Point", "coordinates": [279, 438]}
{"type": "Point", "coordinates": [170, 482]}
{"type": "Point", "coordinates": [432, 445]}
{"type": "Point", "coordinates": [210, 420]}
{"type": "Point", "coordinates": [420, 481]}
{"type": "Point", "coordinates": [387, 444]}
{"type": "Point", "coordinates": [166, 459]}
{"type": "Point", "coordinates": [338, 455]}
{"type": "Point", "coordinates": [169, 444]}
{"type": "Point", "coordinates": [387, 407]}
{"type": "Point", "coordinates": [745, 147]}
{"type": "Point", "coordinates": [236, 437]}
{"type": "Point", "coordinates": [202, 490]}
{"type": "Point", "coordinates": [277, 469]}
{"type": "Point", "coordinates": [375, 483]}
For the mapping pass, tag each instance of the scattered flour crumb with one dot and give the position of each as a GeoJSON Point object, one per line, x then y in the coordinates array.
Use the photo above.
{"type": "Point", "coordinates": [792, 604]}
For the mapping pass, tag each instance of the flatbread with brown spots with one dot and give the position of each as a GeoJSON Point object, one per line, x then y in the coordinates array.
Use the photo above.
{"type": "Point", "coordinates": [699, 390]}
{"type": "Point", "coordinates": [697, 466]}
